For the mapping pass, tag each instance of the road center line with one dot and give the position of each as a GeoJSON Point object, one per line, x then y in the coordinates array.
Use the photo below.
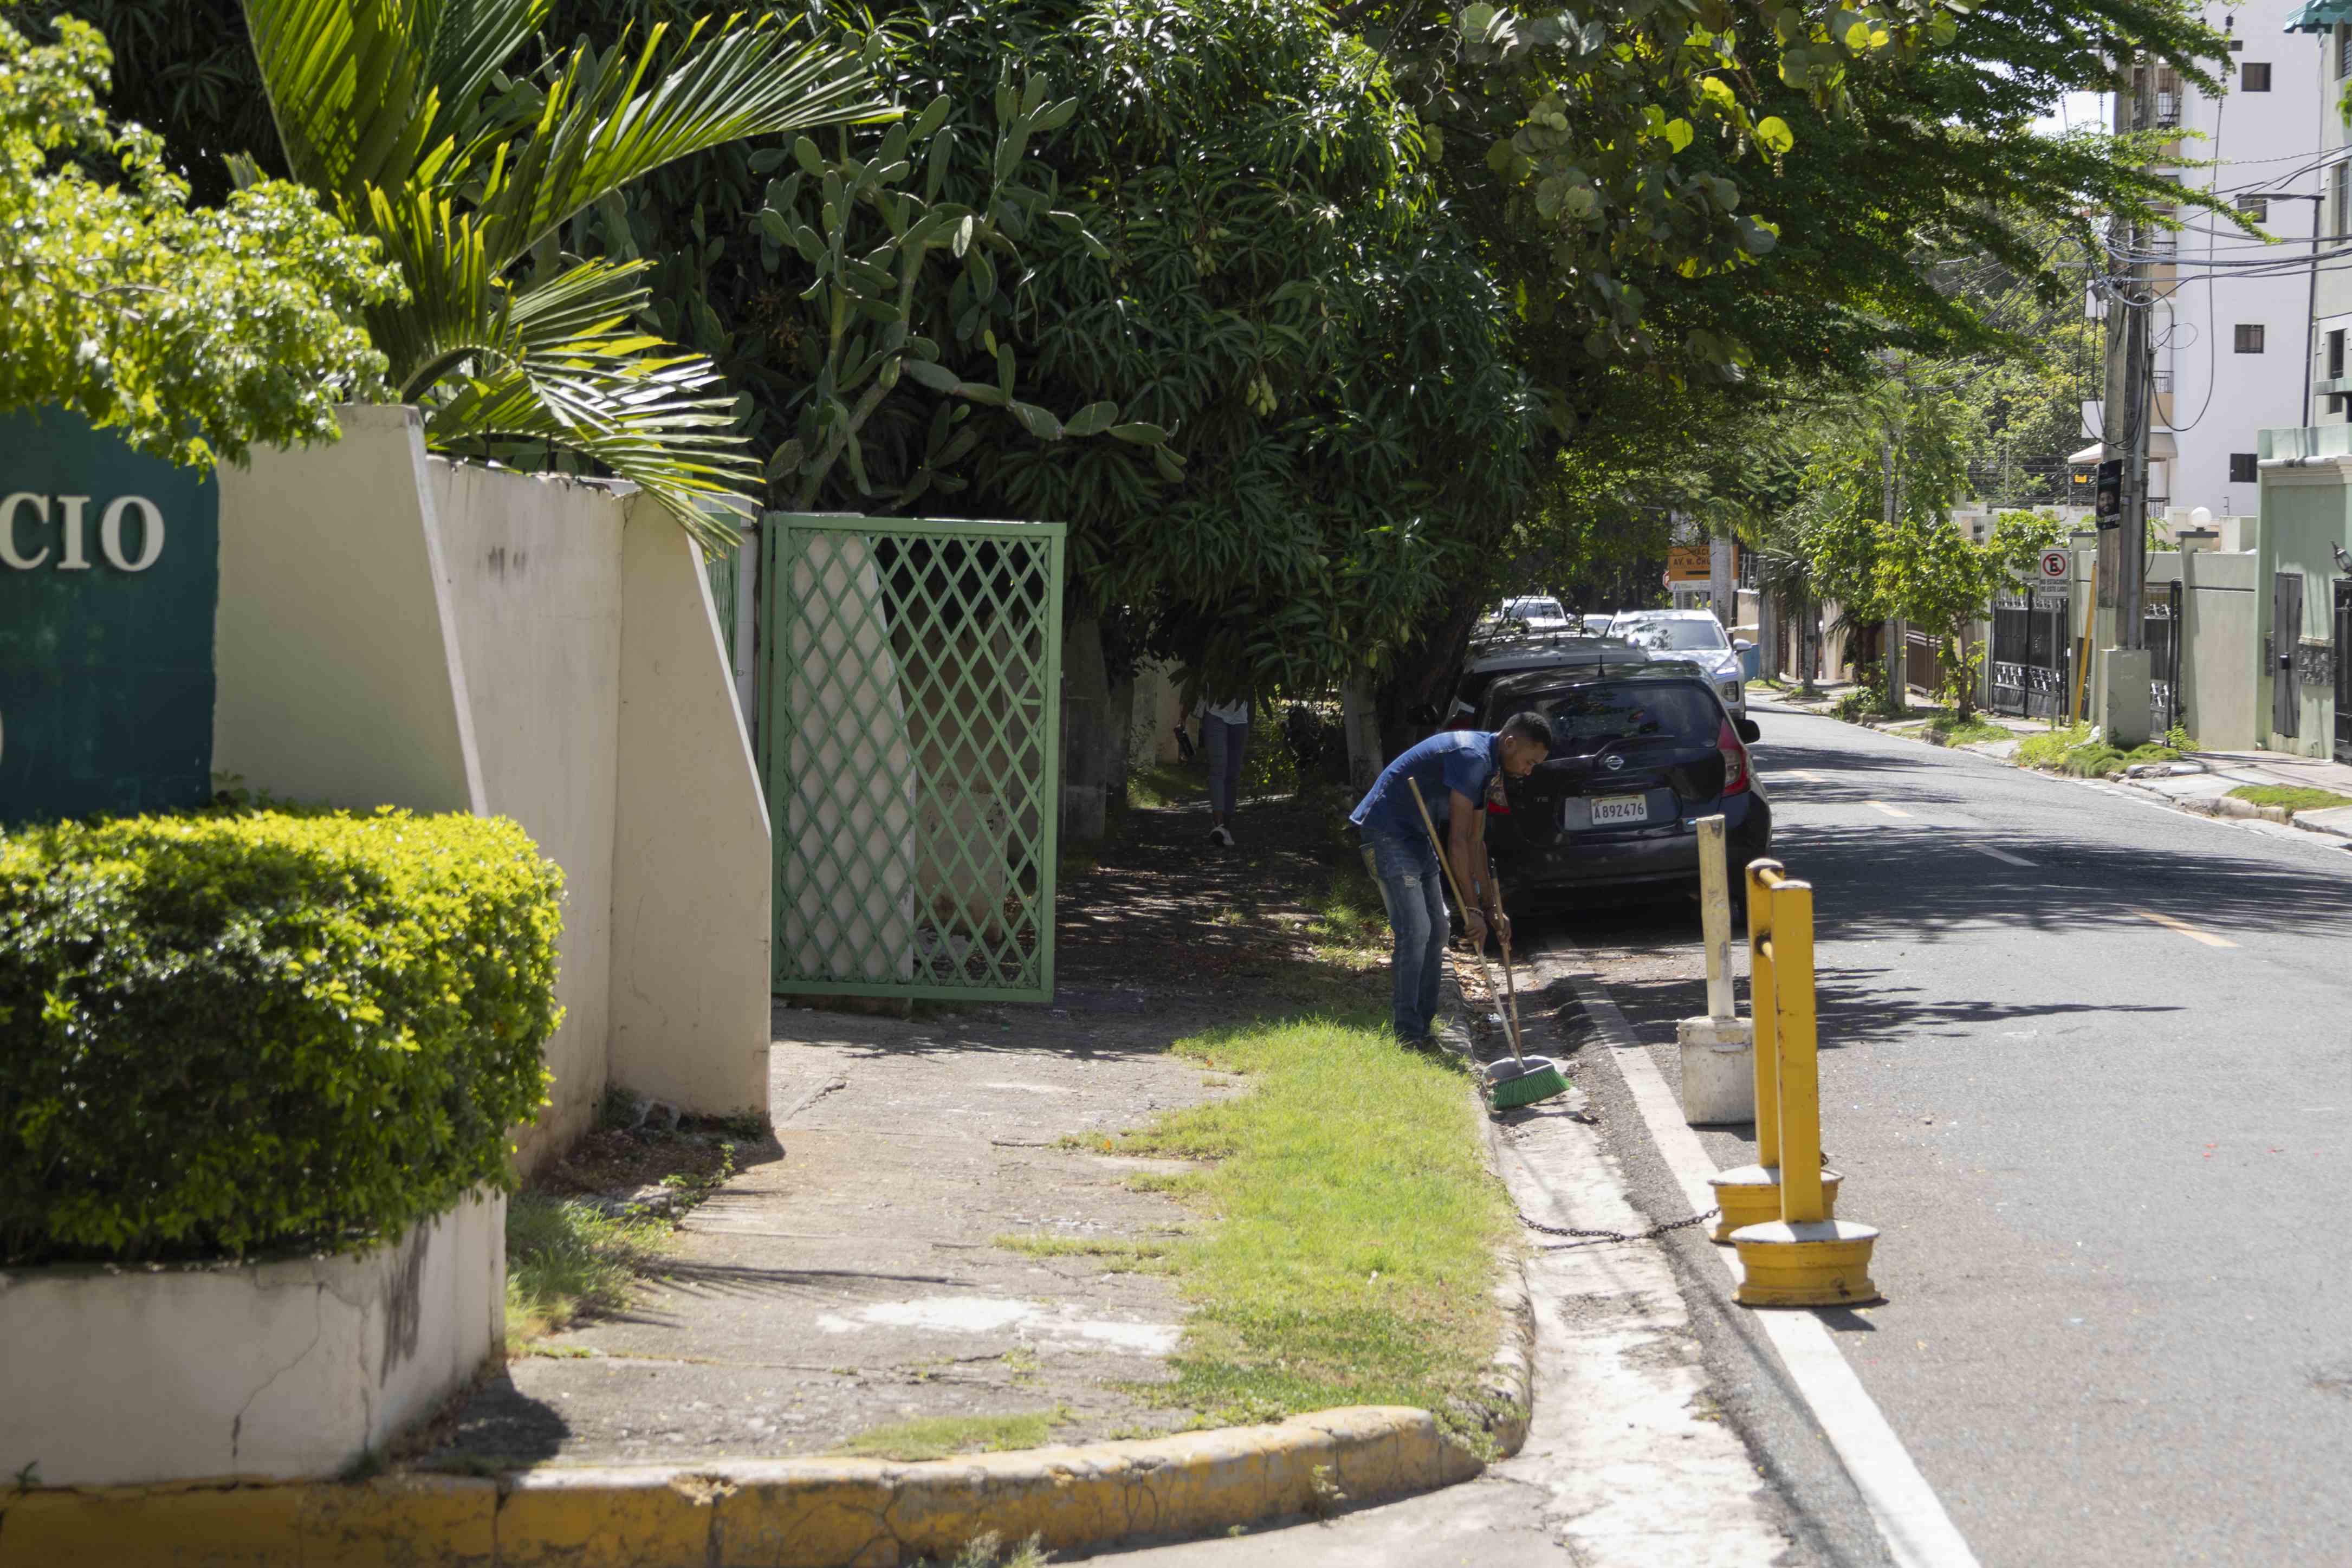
{"type": "Point", "coordinates": [1918, 1533]}
{"type": "Point", "coordinates": [2183, 927]}
{"type": "Point", "coordinates": [1890, 810]}
{"type": "Point", "coordinates": [1998, 854]}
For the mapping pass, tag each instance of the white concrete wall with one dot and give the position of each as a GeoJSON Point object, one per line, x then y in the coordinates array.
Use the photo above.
{"type": "Point", "coordinates": [2220, 657]}
{"type": "Point", "coordinates": [404, 630]}
{"type": "Point", "coordinates": [122, 1376]}
{"type": "Point", "coordinates": [534, 569]}
{"type": "Point", "coordinates": [336, 660]}
{"type": "Point", "coordinates": [692, 866]}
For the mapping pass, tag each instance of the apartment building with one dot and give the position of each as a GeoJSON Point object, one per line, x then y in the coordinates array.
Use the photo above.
{"type": "Point", "coordinates": [2234, 312]}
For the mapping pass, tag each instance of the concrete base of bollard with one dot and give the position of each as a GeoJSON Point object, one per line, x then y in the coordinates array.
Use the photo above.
{"type": "Point", "coordinates": [1812, 1263]}
{"type": "Point", "coordinates": [1750, 1194]}
{"type": "Point", "coordinates": [1718, 1070]}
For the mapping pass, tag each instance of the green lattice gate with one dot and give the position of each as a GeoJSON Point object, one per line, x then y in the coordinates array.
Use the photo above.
{"type": "Point", "coordinates": [911, 745]}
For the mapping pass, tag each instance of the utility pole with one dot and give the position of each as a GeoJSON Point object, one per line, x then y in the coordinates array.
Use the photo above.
{"type": "Point", "coordinates": [2131, 372]}
{"type": "Point", "coordinates": [1897, 655]}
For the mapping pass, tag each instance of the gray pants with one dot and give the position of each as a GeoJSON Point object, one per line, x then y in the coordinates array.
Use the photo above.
{"type": "Point", "coordinates": [1223, 743]}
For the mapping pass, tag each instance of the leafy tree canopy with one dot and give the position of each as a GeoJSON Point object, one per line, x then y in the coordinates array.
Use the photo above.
{"type": "Point", "coordinates": [193, 331]}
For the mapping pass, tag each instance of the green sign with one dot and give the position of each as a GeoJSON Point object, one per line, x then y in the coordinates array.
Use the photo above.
{"type": "Point", "coordinates": [109, 570]}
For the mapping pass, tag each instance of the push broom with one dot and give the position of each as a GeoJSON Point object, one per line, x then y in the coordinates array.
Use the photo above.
{"type": "Point", "coordinates": [1524, 1079]}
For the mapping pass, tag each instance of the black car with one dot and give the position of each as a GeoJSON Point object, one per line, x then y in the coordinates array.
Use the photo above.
{"type": "Point", "coordinates": [1555, 653]}
{"type": "Point", "coordinates": [1639, 755]}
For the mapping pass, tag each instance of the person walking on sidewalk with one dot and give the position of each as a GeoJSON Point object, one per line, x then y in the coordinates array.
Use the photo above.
{"type": "Point", "coordinates": [1452, 769]}
{"type": "Point", "coordinates": [1224, 733]}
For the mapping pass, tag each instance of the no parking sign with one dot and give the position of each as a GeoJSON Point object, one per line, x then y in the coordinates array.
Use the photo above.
{"type": "Point", "coordinates": [2056, 563]}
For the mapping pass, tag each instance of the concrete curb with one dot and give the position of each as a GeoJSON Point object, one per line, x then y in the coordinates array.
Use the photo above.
{"type": "Point", "coordinates": [776, 1513]}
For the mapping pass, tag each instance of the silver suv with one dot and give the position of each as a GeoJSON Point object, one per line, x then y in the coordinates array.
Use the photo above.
{"type": "Point", "coordinates": [1692, 635]}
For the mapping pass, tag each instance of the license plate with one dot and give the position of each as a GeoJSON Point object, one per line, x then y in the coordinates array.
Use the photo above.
{"type": "Point", "coordinates": [1612, 809]}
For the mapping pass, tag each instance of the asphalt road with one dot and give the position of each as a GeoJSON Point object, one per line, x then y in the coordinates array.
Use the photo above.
{"type": "Point", "coordinates": [2087, 1064]}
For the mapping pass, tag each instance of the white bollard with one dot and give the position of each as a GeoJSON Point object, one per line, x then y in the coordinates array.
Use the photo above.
{"type": "Point", "coordinates": [1719, 1049]}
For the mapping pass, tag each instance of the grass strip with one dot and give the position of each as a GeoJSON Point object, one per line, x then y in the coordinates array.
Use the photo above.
{"type": "Point", "coordinates": [2294, 798]}
{"type": "Point", "coordinates": [1115, 1256]}
{"type": "Point", "coordinates": [567, 1259]}
{"type": "Point", "coordinates": [938, 1436]}
{"type": "Point", "coordinates": [2072, 751]}
{"type": "Point", "coordinates": [1971, 731]}
{"type": "Point", "coordinates": [1352, 1256]}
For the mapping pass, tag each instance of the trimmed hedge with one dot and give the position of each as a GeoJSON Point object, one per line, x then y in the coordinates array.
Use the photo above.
{"type": "Point", "coordinates": [229, 1032]}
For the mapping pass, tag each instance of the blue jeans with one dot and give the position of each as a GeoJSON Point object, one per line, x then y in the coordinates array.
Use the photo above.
{"type": "Point", "coordinates": [1413, 887]}
{"type": "Point", "coordinates": [1225, 743]}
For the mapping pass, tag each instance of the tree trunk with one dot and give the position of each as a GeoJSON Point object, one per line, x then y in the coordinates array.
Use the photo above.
{"type": "Point", "coordinates": [1424, 681]}
{"type": "Point", "coordinates": [1090, 738]}
{"type": "Point", "coordinates": [1359, 720]}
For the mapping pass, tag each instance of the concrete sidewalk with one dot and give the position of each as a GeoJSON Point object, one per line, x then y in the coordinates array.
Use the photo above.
{"type": "Point", "coordinates": [849, 1278]}
{"type": "Point", "coordinates": [2201, 781]}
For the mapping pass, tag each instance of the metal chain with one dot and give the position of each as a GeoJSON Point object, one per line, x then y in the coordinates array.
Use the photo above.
{"type": "Point", "coordinates": [1591, 1237]}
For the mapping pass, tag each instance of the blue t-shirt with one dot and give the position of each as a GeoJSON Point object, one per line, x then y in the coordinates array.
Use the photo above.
{"type": "Point", "coordinates": [1448, 760]}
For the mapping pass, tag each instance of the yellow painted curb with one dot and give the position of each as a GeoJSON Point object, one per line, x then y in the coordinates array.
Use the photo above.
{"type": "Point", "coordinates": [771, 1513]}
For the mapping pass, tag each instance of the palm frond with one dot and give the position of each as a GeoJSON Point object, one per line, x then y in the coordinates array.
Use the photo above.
{"type": "Point", "coordinates": [385, 107]}
{"type": "Point", "coordinates": [652, 421]}
{"type": "Point", "coordinates": [456, 308]}
{"type": "Point", "coordinates": [468, 41]}
{"type": "Point", "coordinates": [349, 86]}
{"type": "Point", "coordinates": [598, 131]}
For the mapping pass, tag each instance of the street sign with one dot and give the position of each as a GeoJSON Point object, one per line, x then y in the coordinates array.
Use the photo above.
{"type": "Point", "coordinates": [109, 572]}
{"type": "Point", "coordinates": [2056, 563]}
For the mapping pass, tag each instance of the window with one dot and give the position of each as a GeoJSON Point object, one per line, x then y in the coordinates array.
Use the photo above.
{"type": "Point", "coordinates": [1588, 718]}
{"type": "Point", "coordinates": [2249, 338]}
{"type": "Point", "coordinates": [2341, 201]}
{"type": "Point", "coordinates": [2343, 49]}
{"type": "Point", "coordinates": [2242, 470]}
{"type": "Point", "coordinates": [2253, 76]}
{"type": "Point", "coordinates": [2255, 207]}
{"type": "Point", "coordinates": [2336, 354]}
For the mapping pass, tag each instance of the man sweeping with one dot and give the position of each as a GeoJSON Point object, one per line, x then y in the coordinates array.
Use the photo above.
{"type": "Point", "coordinates": [1451, 769]}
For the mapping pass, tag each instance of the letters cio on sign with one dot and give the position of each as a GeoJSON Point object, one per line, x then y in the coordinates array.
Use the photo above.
{"type": "Point", "coordinates": [109, 575]}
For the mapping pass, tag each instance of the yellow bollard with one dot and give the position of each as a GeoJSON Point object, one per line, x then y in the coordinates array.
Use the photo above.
{"type": "Point", "coordinates": [1750, 1194]}
{"type": "Point", "coordinates": [1803, 1259]}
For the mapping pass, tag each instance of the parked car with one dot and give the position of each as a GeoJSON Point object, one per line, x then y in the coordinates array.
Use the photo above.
{"type": "Point", "coordinates": [1695, 636]}
{"type": "Point", "coordinates": [1597, 623]}
{"type": "Point", "coordinates": [1537, 613]}
{"type": "Point", "coordinates": [1639, 752]}
{"type": "Point", "coordinates": [1492, 660]}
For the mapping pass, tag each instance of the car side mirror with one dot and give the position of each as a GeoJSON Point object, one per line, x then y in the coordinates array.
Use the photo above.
{"type": "Point", "coordinates": [1747, 731]}
{"type": "Point", "coordinates": [1741, 645]}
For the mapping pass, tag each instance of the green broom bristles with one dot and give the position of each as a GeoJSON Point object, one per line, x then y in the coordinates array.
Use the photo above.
{"type": "Point", "coordinates": [1540, 1081]}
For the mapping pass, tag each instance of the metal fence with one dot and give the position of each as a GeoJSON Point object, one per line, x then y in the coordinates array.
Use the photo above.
{"type": "Point", "coordinates": [912, 672]}
{"type": "Point", "coordinates": [2161, 622]}
{"type": "Point", "coordinates": [2032, 652]}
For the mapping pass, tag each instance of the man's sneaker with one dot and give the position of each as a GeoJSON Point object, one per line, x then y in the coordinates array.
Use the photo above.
{"type": "Point", "coordinates": [1224, 835]}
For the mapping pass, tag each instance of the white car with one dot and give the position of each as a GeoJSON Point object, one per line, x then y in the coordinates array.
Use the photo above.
{"type": "Point", "coordinates": [1536, 612]}
{"type": "Point", "coordinates": [1693, 635]}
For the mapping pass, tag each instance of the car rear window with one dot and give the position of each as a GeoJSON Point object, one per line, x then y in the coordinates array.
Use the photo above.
{"type": "Point", "coordinates": [1587, 718]}
{"type": "Point", "coordinates": [1677, 636]}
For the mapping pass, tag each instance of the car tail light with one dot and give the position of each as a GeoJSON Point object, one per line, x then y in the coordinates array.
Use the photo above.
{"type": "Point", "coordinates": [1735, 760]}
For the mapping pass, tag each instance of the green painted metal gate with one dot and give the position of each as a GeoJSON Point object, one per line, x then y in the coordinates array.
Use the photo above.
{"type": "Point", "coordinates": [911, 684]}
